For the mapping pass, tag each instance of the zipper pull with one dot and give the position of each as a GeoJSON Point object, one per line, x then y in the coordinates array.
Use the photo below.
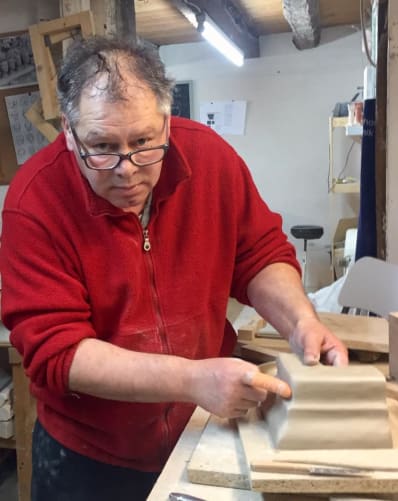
{"type": "Point", "coordinates": [147, 243]}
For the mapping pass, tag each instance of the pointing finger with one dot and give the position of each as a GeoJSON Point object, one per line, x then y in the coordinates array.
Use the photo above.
{"type": "Point", "coordinates": [269, 383]}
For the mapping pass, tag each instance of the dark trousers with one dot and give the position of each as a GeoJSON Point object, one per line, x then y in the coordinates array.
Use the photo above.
{"type": "Point", "coordinates": [59, 474]}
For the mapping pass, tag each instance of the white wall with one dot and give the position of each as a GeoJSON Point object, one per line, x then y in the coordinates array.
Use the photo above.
{"type": "Point", "coordinates": [290, 96]}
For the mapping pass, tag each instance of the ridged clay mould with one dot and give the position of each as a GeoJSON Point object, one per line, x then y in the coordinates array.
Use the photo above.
{"type": "Point", "coordinates": [330, 408]}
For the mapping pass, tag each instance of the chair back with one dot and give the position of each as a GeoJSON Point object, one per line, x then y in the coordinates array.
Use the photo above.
{"type": "Point", "coordinates": [371, 284]}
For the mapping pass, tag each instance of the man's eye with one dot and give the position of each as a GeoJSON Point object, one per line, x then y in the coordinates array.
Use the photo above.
{"type": "Point", "coordinates": [101, 146]}
{"type": "Point", "coordinates": [142, 141]}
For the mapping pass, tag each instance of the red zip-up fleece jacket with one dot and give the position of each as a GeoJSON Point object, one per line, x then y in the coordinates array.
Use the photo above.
{"type": "Point", "coordinates": [74, 267]}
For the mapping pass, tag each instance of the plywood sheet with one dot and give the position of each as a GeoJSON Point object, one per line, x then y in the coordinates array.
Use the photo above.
{"type": "Point", "coordinates": [357, 332]}
{"type": "Point", "coordinates": [174, 478]}
{"type": "Point", "coordinates": [217, 460]}
{"type": "Point", "coordinates": [256, 444]}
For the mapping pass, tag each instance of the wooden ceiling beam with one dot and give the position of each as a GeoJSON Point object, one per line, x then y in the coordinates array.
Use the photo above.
{"type": "Point", "coordinates": [229, 17]}
{"type": "Point", "coordinates": [110, 16]}
{"type": "Point", "coordinates": [304, 19]}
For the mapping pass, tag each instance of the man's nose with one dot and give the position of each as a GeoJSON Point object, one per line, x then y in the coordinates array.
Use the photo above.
{"type": "Point", "coordinates": [126, 167]}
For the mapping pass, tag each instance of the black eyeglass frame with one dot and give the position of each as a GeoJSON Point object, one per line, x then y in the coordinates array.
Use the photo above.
{"type": "Point", "coordinates": [122, 156]}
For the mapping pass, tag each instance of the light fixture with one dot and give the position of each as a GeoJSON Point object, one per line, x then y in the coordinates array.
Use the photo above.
{"type": "Point", "coordinates": [216, 37]}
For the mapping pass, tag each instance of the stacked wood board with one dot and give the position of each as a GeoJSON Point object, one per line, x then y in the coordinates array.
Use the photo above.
{"type": "Point", "coordinates": [360, 333]}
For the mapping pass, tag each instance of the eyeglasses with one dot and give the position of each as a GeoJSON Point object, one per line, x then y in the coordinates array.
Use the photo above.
{"type": "Point", "coordinates": [108, 161]}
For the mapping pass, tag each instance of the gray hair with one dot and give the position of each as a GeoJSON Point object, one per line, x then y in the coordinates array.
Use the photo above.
{"type": "Point", "coordinates": [88, 60]}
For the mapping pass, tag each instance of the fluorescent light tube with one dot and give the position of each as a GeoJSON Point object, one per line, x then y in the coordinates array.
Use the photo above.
{"type": "Point", "coordinates": [221, 42]}
{"type": "Point", "coordinates": [216, 37]}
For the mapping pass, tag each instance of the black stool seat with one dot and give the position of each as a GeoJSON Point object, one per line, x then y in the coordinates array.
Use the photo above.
{"type": "Point", "coordinates": [307, 231]}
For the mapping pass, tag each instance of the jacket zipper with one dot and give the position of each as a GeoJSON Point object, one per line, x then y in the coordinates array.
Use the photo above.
{"type": "Point", "coordinates": [147, 248]}
{"type": "Point", "coordinates": [147, 243]}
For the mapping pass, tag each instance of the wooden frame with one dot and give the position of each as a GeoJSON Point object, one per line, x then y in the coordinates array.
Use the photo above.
{"type": "Point", "coordinates": [43, 37]}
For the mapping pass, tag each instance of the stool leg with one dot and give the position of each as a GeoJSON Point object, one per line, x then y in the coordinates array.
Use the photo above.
{"type": "Point", "coordinates": [304, 270]}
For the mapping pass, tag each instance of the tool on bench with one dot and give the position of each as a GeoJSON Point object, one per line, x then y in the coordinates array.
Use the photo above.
{"type": "Point", "coordinates": [270, 466]}
{"type": "Point", "coordinates": [179, 496]}
{"type": "Point", "coordinates": [307, 469]}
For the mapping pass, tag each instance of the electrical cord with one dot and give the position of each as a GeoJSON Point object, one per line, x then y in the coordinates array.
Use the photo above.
{"type": "Point", "coordinates": [340, 174]}
{"type": "Point", "coordinates": [192, 6]}
{"type": "Point", "coordinates": [332, 182]}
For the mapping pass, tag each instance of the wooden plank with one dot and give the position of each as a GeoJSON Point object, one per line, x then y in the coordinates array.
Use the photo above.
{"type": "Point", "coordinates": [174, 476]}
{"type": "Point", "coordinates": [121, 18]}
{"type": "Point", "coordinates": [35, 116]}
{"type": "Point", "coordinates": [45, 77]}
{"type": "Point", "coordinates": [219, 458]}
{"type": "Point", "coordinates": [97, 7]}
{"type": "Point", "coordinates": [259, 354]}
{"type": "Point", "coordinates": [45, 65]}
{"type": "Point", "coordinates": [65, 24]}
{"type": "Point", "coordinates": [248, 331]}
{"type": "Point", "coordinates": [381, 129]}
{"type": "Point", "coordinates": [7, 443]}
{"type": "Point", "coordinates": [25, 416]}
{"type": "Point", "coordinates": [358, 332]}
{"type": "Point", "coordinates": [271, 343]}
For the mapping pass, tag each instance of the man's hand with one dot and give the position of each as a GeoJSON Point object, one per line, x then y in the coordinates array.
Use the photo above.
{"type": "Point", "coordinates": [229, 387]}
{"type": "Point", "coordinates": [314, 342]}
{"type": "Point", "coordinates": [277, 294]}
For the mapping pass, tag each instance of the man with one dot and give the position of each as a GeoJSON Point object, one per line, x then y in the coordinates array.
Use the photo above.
{"type": "Point", "coordinates": [122, 242]}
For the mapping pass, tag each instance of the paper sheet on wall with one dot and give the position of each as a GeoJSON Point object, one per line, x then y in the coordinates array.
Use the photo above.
{"type": "Point", "coordinates": [27, 139]}
{"type": "Point", "coordinates": [225, 117]}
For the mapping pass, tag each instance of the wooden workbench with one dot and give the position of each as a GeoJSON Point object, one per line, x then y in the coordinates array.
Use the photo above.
{"type": "Point", "coordinates": [24, 416]}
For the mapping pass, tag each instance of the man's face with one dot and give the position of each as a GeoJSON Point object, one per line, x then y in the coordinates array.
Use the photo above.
{"type": "Point", "coordinates": [119, 127]}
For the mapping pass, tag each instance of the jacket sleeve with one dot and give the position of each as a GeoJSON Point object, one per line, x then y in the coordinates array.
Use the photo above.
{"type": "Point", "coordinates": [260, 238]}
{"type": "Point", "coordinates": [44, 301]}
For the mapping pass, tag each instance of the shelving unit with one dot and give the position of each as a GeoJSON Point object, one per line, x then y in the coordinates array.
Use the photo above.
{"type": "Point", "coordinates": [346, 187]}
{"type": "Point", "coordinates": [354, 132]}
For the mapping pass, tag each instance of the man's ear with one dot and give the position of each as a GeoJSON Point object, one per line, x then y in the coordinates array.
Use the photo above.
{"type": "Point", "coordinates": [70, 142]}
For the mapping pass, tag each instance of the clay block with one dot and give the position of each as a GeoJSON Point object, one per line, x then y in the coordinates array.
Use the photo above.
{"type": "Point", "coordinates": [331, 407]}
